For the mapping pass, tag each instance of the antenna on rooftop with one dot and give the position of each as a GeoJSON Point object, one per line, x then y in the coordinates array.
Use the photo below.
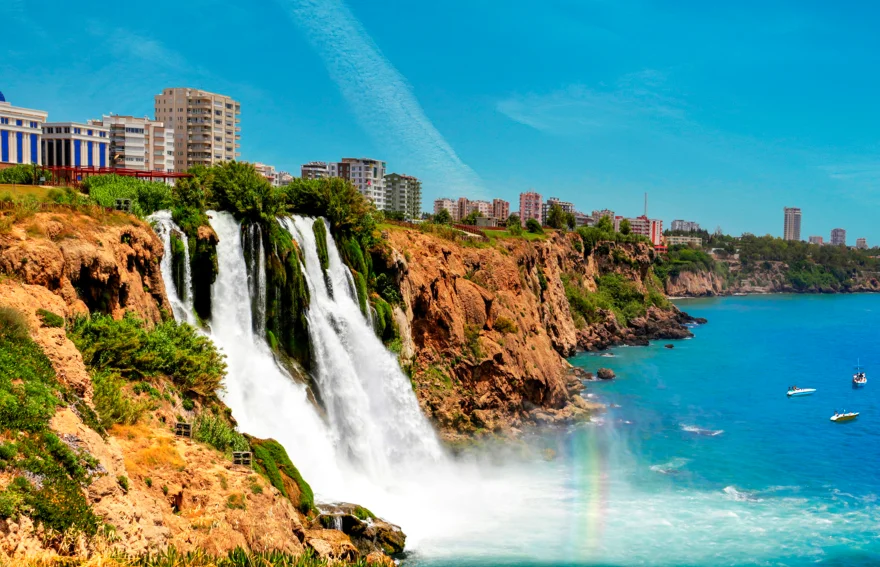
{"type": "Point", "coordinates": [646, 204]}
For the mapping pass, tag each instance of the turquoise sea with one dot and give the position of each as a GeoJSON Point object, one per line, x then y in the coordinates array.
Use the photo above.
{"type": "Point", "coordinates": [702, 459]}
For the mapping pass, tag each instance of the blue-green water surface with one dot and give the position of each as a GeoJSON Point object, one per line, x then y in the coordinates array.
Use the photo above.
{"type": "Point", "coordinates": [703, 460]}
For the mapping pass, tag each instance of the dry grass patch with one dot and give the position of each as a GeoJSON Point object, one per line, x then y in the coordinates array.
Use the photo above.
{"type": "Point", "coordinates": [148, 449]}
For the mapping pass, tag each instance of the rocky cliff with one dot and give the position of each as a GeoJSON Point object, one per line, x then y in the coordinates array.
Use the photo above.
{"type": "Point", "coordinates": [152, 489]}
{"type": "Point", "coordinates": [486, 329]}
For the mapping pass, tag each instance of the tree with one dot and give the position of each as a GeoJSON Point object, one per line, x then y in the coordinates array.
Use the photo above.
{"type": "Point", "coordinates": [556, 216]}
{"type": "Point", "coordinates": [533, 226]}
{"type": "Point", "coordinates": [471, 219]}
{"type": "Point", "coordinates": [514, 225]}
{"type": "Point", "coordinates": [395, 215]}
{"type": "Point", "coordinates": [605, 224]}
{"type": "Point", "coordinates": [625, 227]}
{"type": "Point", "coordinates": [570, 221]}
{"type": "Point", "coordinates": [443, 217]}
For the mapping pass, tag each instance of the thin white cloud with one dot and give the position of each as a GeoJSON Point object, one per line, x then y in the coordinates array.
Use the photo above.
{"type": "Point", "coordinates": [379, 95]}
{"type": "Point", "coordinates": [633, 101]}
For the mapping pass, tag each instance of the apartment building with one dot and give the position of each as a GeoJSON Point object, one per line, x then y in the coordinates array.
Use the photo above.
{"type": "Point", "coordinates": [462, 209]}
{"type": "Point", "coordinates": [314, 170]}
{"type": "Point", "coordinates": [694, 241]}
{"type": "Point", "coordinates": [652, 228]}
{"type": "Point", "coordinates": [207, 126]}
{"type": "Point", "coordinates": [500, 210]}
{"type": "Point", "coordinates": [583, 219]}
{"type": "Point", "coordinates": [597, 215]}
{"type": "Point", "coordinates": [444, 204]}
{"type": "Point", "coordinates": [366, 174]}
{"type": "Point", "coordinates": [482, 208]}
{"type": "Point", "coordinates": [817, 240]}
{"type": "Point", "coordinates": [531, 206]}
{"type": "Point", "coordinates": [685, 226]}
{"type": "Point", "coordinates": [838, 237]}
{"type": "Point", "coordinates": [74, 144]}
{"type": "Point", "coordinates": [861, 244]}
{"type": "Point", "coordinates": [566, 206]}
{"type": "Point", "coordinates": [268, 172]}
{"type": "Point", "coordinates": [138, 143]}
{"type": "Point", "coordinates": [403, 193]}
{"type": "Point", "coordinates": [283, 179]}
{"type": "Point", "coordinates": [792, 227]}
{"type": "Point", "coordinates": [21, 133]}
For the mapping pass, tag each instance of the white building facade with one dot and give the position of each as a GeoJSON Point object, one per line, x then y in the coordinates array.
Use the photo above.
{"type": "Point", "coordinates": [21, 131]}
{"type": "Point", "coordinates": [366, 174]}
{"type": "Point", "coordinates": [74, 144]}
{"type": "Point", "coordinates": [139, 143]}
{"type": "Point", "coordinates": [403, 194]}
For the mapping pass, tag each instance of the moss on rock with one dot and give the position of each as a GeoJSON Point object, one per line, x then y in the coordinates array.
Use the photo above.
{"type": "Point", "coordinates": [272, 462]}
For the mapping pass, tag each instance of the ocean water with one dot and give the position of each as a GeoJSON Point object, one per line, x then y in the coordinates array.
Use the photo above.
{"type": "Point", "coordinates": [702, 459]}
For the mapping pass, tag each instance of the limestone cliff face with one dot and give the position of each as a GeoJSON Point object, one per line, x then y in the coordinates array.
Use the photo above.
{"type": "Point", "coordinates": [111, 265]}
{"type": "Point", "coordinates": [695, 284]}
{"type": "Point", "coordinates": [490, 327]}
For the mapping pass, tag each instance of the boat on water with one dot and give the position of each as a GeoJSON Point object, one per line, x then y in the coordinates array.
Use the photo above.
{"type": "Point", "coordinates": [859, 378]}
{"type": "Point", "coordinates": [845, 416]}
{"type": "Point", "coordinates": [795, 391]}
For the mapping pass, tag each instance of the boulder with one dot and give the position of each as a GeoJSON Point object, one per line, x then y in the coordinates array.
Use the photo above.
{"type": "Point", "coordinates": [367, 532]}
{"type": "Point", "coordinates": [605, 374]}
{"type": "Point", "coordinates": [668, 346]}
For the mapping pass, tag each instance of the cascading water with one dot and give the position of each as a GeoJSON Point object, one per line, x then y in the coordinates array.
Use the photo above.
{"type": "Point", "coordinates": [257, 277]}
{"type": "Point", "coordinates": [265, 401]}
{"type": "Point", "coordinates": [182, 307]}
{"type": "Point", "coordinates": [371, 407]}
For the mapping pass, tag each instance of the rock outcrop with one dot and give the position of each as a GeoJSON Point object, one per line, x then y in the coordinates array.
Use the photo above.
{"type": "Point", "coordinates": [491, 327]}
{"type": "Point", "coordinates": [109, 265]}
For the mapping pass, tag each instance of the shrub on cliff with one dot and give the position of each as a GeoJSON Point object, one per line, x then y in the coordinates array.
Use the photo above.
{"type": "Point", "coordinates": [29, 397]}
{"type": "Point", "coordinates": [128, 347]}
{"type": "Point", "coordinates": [146, 197]}
{"type": "Point", "coordinates": [272, 462]}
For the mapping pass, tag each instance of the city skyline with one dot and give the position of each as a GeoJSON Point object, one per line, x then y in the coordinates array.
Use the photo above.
{"type": "Point", "coordinates": [620, 93]}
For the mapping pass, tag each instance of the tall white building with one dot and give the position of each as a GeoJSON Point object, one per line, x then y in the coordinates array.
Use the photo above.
{"type": "Point", "coordinates": [838, 237]}
{"type": "Point", "coordinates": [138, 143]}
{"type": "Point", "coordinates": [566, 206]}
{"type": "Point", "coordinates": [73, 144]}
{"type": "Point", "coordinates": [207, 126]}
{"type": "Point", "coordinates": [861, 244]}
{"type": "Point", "coordinates": [21, 131]}
{"type": "Point", "coordinates": [368, 175]}
{"type": "Point", "coordinates": [315, 170]}
{"type": "Point", "coordinates": [268, 172]}
{"type": "Point", "coordinates": [685, 226]}
{"type": "Point", "coordinates": [444, 204]}
{"type": "Point", "coordinates": [792, 227]}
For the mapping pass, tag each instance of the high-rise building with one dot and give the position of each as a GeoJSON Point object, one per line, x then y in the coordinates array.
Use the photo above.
{"type": "Point", "coordinates": [531, 206]}
{"type": "Point", "coordinates": [21, 133]}
{"type": "Point", "coordinates": [500, 209]}
{"type": "Point", "coordinates": [861, 244]}
{"type": "Point", "coordinates": [566, 206]}
{"type": "Point", "coordinates": [403, 193]}
{"type": "Point", "coordinates": [366, 174]}
{"type": "Point", "coordinates": [74, 144]}
{"type": "Point", "coordinates": [444, 204]}
{"type": "Point", "coordinates": [139, 143]}
{"type": "Point", "coordinates": [206, 126]}
{"type": "Point", "coordinates": [283, 179]}
{"type": "Point", "coordinates": [462, 209]}
{"type": "Point", "coordinates": [792, 228]}
{"type": "Point", "coordinates": [816, 240]}
{"type": "Point", "coordinates": [838, 237]}
{"type": "Point", "coordinates": [685, 226]}
{"type": "Point", "coordinates": [482, 208]}
{"type": "Point", "coordinates": [315, 170]}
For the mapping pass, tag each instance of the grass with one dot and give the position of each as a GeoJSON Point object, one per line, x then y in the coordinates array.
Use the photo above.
{"type": "Point", "coordinates": [197, 558]}
{"type": "Point", "coordinates": [50, 319]}
{"type": "Point", "coordinates": [115, 403]}
{"type": "Point", "coordinates": [494, 235]}
{"type": "Point", "coordinates": [219, 434]}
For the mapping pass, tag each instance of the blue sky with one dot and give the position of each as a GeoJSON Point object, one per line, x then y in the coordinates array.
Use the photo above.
{"type": "Point", "coordinates": [723, 113]}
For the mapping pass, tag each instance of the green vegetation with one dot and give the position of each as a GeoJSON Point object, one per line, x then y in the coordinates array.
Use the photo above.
{"type": "Point", "coordinates": [321, 243]}
{"type": "Point", "coordinates": [23, 174]}
{"type": "Point", "coordinates": [533, 226]}
{"type": "Point", "coordinates": [272, 462]}
{"type": "Point", "coordinates": [614, 293]}
{"type": "Point", "coordinates": [146, 197]}
{"type": "Point", "coordinates": [472, 341]}
{"type": "Point", "coordinates": [604, 232]}
{"type": "Point", "coordinates": [443, 217]}
{"type": "Point", "coordinates": [199, 558]}
{"type": "Point", "coordinates": [684, 259]}
{"type": "Point", "coordinates": [236, 501]}
{"type": "Point", "coordinates": [556, 217]}
{"type": "Point", "coordinates": [127, 347]}
{"type": "Point", "coordinates": [112, 403]}
{"type": "Point", "coordinates": [505, 325]}
{"type": "Point", "coordinates": [363, 514]}
{"type": "Point", "coordinates": [48, 477]}
{"type": "Point", "coordinates": [50, 319]}
{"type": "Point", "coordinates": [216, 432]}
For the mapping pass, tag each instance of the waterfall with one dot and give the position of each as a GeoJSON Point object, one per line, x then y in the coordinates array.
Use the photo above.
{"type": "Point", "coordinates": [373, 413]}
{"type": "Point", "coordinates": [181, 300]}
{"type": "Point", "coordinates": [257, 277]}
{"type": "Point", "coordinates": [264, 399]}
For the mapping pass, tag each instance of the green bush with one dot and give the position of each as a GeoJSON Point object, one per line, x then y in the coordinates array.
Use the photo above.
{"type": "Point", "coordinates": [533, 226]}
{"type": "Point", "coordinates": [23, 174]}
{"type": "Point", "coordinates": [146, 197]}
{"type": "Point", "coordinates": [321, 243]}
{"type": "Point", "coordinates": [171, 349]}
{"type": "Point", "coordinates": [112, 403]}
{"type": "Point", "coordinates": [50, 319]}
{"type": "Point", "coordinates": [505, 325]}
{"type": "Point", "coordinates": [219, 434]}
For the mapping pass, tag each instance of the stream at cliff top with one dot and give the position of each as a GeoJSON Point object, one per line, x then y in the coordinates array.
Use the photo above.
{"type": "Point", "coordinates": [706, 461]}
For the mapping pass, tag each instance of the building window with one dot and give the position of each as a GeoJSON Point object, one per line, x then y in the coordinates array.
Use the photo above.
{"type": "Point", "coordinates": [4, 121]}
{"type": "Point", "coordinates": [18, 122]}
